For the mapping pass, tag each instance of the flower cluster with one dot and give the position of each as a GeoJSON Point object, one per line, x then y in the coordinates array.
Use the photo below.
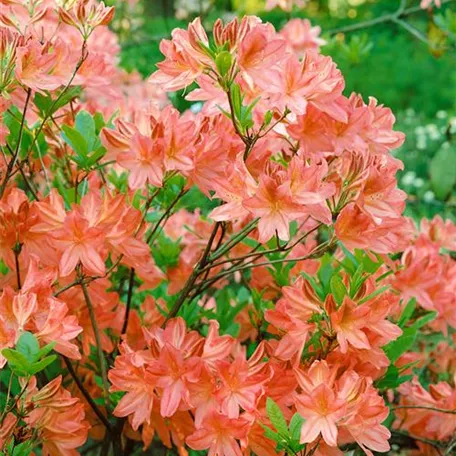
{"type": "Point", "coordinates": [220, 394]}
{"type": "Point", "coordinates": [238, 278]}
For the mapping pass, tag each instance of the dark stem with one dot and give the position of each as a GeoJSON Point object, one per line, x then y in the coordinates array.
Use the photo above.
{"type": "Point", "coordinates": [86, 394]}
{"type": "Point", "coordinates": [165, 214]}
{"type": "Point", "coordinates": [100, 354]}
{"type": "Point", "coordinates": [17, 252]}
{"type": "Point", "coordinates": [13, 161]}
{"type": "Point", "coordinates": [131, 283]}
{"type": "Point", "coordinates": [192, 279]}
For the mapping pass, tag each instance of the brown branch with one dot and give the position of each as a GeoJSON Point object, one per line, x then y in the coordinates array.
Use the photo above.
{"type": "Point", "coordinates": [194, 276]}
{"type": "Point", "coordinates": [86, 394]}
{"type": "Point", "coordinates": [131, 282]}
{"type": "Point", "coordinates": [424, 407]}
{"type": "Point", "coordinates": [13, 161]}
{"type": "Point", "coordinates": [100, 354]}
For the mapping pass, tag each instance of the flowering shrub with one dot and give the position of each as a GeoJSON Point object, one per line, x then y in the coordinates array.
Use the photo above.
{"type": "Point", "coordinates": [238, 280]}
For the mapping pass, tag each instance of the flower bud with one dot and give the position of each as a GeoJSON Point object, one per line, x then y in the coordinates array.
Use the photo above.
{"type": "Point", "coordinates": [223, 63]}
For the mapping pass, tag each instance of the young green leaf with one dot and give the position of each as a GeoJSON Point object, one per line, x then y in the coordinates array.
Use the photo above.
{"type": "Point", "coordinates": [17, 362]}
{"type": "Point", "coordinates": [338, 289]}
{"type": "Point", "coordinates": [75, 140]}
{"type": "Point", "coordinates": [424, 320]}
{"type": "Point", "coordinates": [296, 423]}
{"type": "Point", "coordinates": [395, 349]}
{"type": "Point", "coordinates": [276, 417]}
{"type": "Point", "coordinates": [28, 346]}
{"type": "Point", "coordinates": [41, 365]}
{"type": "Point", "coordinates": [407, 313]}
{"type": "Point", "coordinates": [223, 62]}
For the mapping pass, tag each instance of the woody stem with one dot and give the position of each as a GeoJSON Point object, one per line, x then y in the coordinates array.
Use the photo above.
{"type": "Point", "coordinates": [100, 354]}
{"type": "Point", "coordinates": [193, 277]}
{"type": "Point", "coordinates": [15, 157]}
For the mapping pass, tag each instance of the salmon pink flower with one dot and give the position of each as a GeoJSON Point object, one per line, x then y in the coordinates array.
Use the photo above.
{"type": "Point", "coordinates": [79, 243]}
{"type": "Point", "coordinates": [237, 186]}
{"type": "Point", "coordinates": [301, 36]}
{"type": "Point", "coordinates": [56, 417]}
{"type": "Point", "coordinates": [240, 386]}
{"type": "Point", "coordinates": [130, 374]}
{"type": "Point", "coordinates": [348, 322]}
{"type": "Point", "coordinates": [220, 435]}
{"type": "Point", "coordinates": [274, 205]}
{"type": "Point", "coordinates": [144, 160]}
{"type": "Point", "coordinates": [286, 5]}
{"type": "Point", "coordinates": [182, 64]}
{"type": "Point", "coordinates": [322, 411]}
{"type": "Point", "coordinates": [34, 64]}
{"type": "Point", "coordinates": [174, 375]}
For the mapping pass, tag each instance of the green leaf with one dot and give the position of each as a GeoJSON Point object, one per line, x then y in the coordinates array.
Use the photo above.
{"type": "Point", "coordinates": [357, 280]}
{"type": "Point", "coordinates": [424, 320]}
{"type": "Point", "coordinates": [395, 349]}
{"type": "Point", "coordinates": [24, 448]}
{"type": "Point", "coordinates": [375, 293]}
{"type": "Point", "coordinates": [75, 140]}
{"type": "Point", "coordinates": [391, 379]}
{"type": "Point", "coordinates": [41, 365]}
{"type": "Point", "coordinates": [223, 62]}
{"type": "Point", "coordinates": [338, 289]}
{"type": "Point", "coordinates": [85, 124]}
{"type": "Point", "coordinates": [267, 118]}
{"type": "Point", "coordinates": [99, 122]}
{"type": "Point", "coordinates": [17, 362]}
{"type": "Point", "coordinates": [407, 313]}
{"type": "Point", "coordinates": [45, 350]}
{"type": "Point", "coordinates": [28, 346]}
{"type": "Point", "coordinates": [247, 111]}
{"type": "Point", "coordinates": [276, 416]}
{"type": "Point", "coordinates": [237, 100]}
{"type": "Point", "coordinates": [295, 426]}
{"type": "Point", "coordinates": [99, 153]}
{"type": "Point", "coordinates": [45, 102]}
{"type": "Point", "coordinates": [270, 434]}
{"type": "Point", "coordinates": [443, 171]}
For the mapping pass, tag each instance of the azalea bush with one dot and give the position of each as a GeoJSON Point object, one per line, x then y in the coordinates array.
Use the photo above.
{"type": "Point", "coordinates": [238, 278]}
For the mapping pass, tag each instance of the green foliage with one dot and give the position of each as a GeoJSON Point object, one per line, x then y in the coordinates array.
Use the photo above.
{"type": "Point", "coordinates": [425, 139]}
{"type": "Point", "coordinates": [27, 358]}
{"type": "Point", "coordinates": [84, 139]}
{"type": "Point", "coordinates": [242, 114]}
{"type": "Point", "coordinates": [21, 449]}
{"type": "Point", "coordinates": [49, 105]}
{"type": "Point", "coordinates": [12, 120]}
{"type": "Point", "coordinates": [356, 49]}
{"type": "Point", "coordinates": [286, 437]}
{"type": "Point", "coordinates": [395, 349]}
{"type": "Point", "coordinates": [443, 174]}
{"type": "Point", "coordinates": [223, 62]}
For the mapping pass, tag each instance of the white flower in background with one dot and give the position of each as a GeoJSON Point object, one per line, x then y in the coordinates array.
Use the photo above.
{"type": "Point", "coordinates": [429, 196]}
{"type": "Point", "coordinates": [408, 178]}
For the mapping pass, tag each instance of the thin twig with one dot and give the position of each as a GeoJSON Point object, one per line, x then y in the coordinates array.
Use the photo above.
{"type": "Point", "coordinates": [434, 443]}
{"type": "Point", "coordinates": [131, 282]}
{"type": "Point", "coordinates": [13, 161]}
{"type": "Point", "coordinates": [194, 275]}
{"type": "Point", "coordinates": [86, 394]}
{"type": "Point", "coordinates": [165, 214]}
{"type": "Point", "coordinates": [389, 17]}
{"type": "Point", "coordinates": [96, 330]}
{"type": "Point", "coordinates": [425, 407]}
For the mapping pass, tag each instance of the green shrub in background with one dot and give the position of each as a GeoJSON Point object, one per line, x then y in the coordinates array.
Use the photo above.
{"type": "Point", "coordinates": [429, 156]}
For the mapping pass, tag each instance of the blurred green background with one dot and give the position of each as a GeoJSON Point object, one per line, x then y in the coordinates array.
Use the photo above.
{"type": "Point", "coordinates": [414, 73]}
